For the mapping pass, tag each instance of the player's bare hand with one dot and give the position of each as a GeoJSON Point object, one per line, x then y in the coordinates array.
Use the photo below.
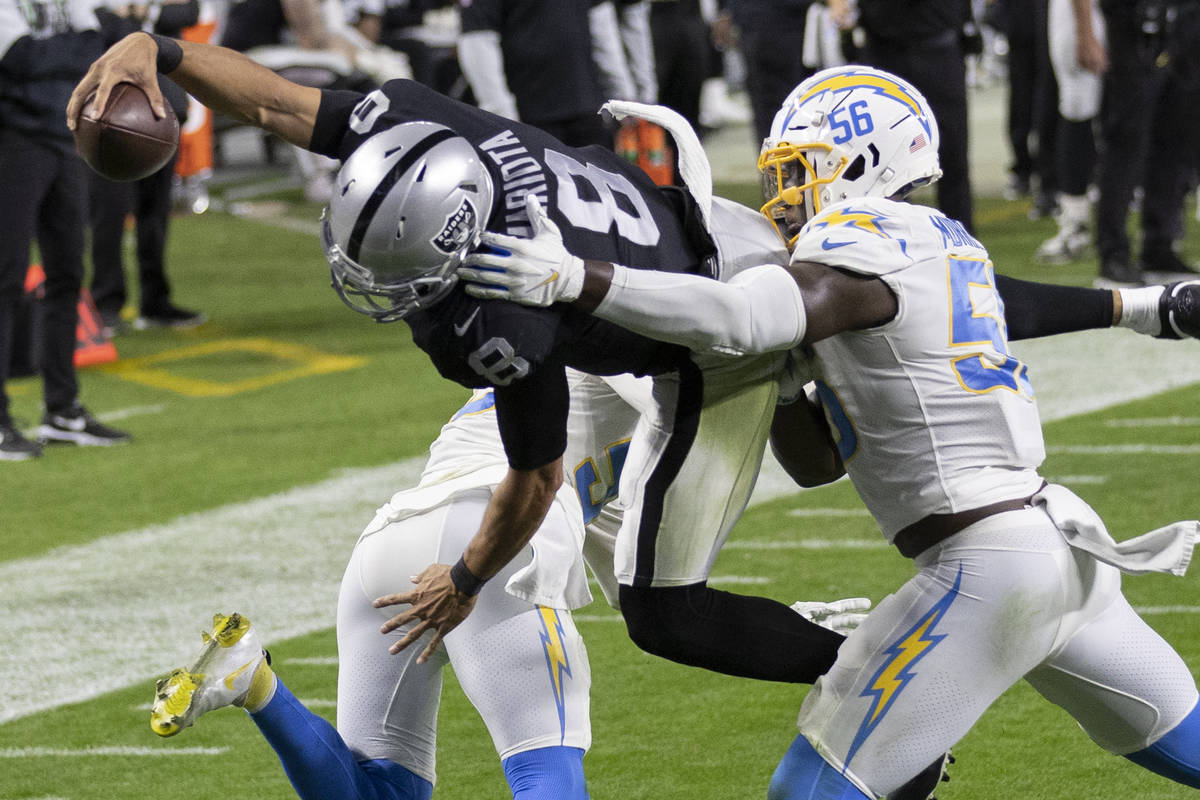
{"type": "Point", "coordinates": [131, 60]}
{"type": "Point", "coordinates": [434, 603]}
{"type": "Point", "coordinates": [533, 272]}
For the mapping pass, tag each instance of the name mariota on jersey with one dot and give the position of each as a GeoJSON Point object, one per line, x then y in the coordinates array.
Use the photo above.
{"type": "Point", "coordinates": [521, 175]}
{"type": "Point", "coordinates": [953, 233]}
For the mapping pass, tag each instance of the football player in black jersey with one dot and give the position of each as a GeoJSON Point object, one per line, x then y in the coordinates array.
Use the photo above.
{"type": "Point", "coordinates": [422, 177]}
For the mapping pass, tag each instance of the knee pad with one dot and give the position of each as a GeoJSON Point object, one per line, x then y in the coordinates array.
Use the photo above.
{"type": "Point", "coordinates": [1176, 755]}
{"type": "Point", "coordinates": [547, 773]}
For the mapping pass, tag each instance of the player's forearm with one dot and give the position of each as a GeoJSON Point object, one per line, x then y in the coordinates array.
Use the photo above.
{"type": "Point", "coordinates": [513, 515]}
{"type": "Point", "coordinates": [232, 84]}
{"type": "Point", "coordinates": [758, 311]}
{"type": "Point", "coordinates": [802, 444]}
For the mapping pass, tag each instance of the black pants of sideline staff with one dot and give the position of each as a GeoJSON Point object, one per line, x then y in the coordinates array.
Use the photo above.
{"type": "Point", "coordinates": [1149, 130]}
{"type": "Point", "coordinates": [149, 200]}
{"type": "Point", "coordinates": [938, 69]}
{"type": "Point", "coordinates": [42, 195]}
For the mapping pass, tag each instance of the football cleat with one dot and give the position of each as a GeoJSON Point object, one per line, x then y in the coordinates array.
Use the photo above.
{"type": "Point", "coordinates": [220, 676]}
{"type": "Point", "coordinates": [1069, 244]}
{"type": "Point", "coordinates": [1179, 310]}
{"type": "Point", "coordinates": [926, 783]}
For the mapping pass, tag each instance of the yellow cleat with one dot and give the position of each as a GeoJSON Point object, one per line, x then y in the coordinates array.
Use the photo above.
{"type": "Point", "coordinates": [219, 676]}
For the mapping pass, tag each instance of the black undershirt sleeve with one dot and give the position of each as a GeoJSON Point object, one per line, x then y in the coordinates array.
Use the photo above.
{"type": "Point", "coordinates": [1043, 309]}
{"type": "Point", "coordinates": [532, 414]}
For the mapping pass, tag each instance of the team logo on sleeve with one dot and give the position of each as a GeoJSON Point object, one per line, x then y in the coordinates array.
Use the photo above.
{"type": "Point", "coordinates": [457, 230]}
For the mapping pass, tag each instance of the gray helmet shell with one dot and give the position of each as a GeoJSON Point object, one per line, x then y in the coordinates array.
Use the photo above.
{"type": "Point", "coordinates": [407, 207]}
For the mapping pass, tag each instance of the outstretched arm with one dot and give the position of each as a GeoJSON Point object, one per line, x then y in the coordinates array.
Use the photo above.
{"type": "Point", "coordinates": [222, 79]}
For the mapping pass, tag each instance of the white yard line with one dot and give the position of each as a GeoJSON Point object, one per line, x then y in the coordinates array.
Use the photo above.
{"type": "Point", "coordinates": [120, 610]}
{"type": "Point", "coordinates": [77, 752]}
{"type": "Point", "coordinates": [124, 609]}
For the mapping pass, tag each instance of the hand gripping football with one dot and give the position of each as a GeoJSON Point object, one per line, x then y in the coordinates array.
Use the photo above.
{"type": "Point", "coordinates": [127, 142]}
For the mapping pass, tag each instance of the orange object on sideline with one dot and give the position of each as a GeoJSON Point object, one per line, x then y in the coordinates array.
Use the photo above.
{"type": "Point", "coordinates": [645, 144]}
{"type": "Point", "coordinates": [196, 135]}
{"type": "Point", "coordinates": [91, 345]}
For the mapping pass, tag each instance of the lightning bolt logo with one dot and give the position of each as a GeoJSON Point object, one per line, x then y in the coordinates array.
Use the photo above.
{"type": "Point", "coordinates": [557, 663]}
{"type": "Point", "coordinates": [897, 670]}
{"type": "Point", "coordinates": [849, 218]}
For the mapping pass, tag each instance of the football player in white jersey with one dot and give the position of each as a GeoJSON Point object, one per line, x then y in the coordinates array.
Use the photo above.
{"type": "Point", "coordinates": [518, 656]}
{"type": "Point", "coordinates": [899, 308]}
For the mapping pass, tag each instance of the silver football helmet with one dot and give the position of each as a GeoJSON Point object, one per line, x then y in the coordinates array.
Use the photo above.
{"type": "Point", "coordinates": [407, 207]}
{"type": "Point", "coordinates": [847, 132]}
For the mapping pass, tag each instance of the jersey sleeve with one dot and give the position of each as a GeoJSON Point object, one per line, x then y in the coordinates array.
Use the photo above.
{"type": "Point", "coordinates": [532, 414]}
{"type": "Point", "coordinates": [333, 121]}
{"type": "Point", "coordinates": [861, 237]}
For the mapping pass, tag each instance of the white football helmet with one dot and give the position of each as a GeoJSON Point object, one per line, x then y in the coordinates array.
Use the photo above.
{"type": "Point", "coordinates": [407, 207]}
{"type": "Point", "coordinates": [847, 132]}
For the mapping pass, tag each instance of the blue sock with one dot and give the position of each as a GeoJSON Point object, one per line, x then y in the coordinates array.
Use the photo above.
{"type": "Point", "coordinates": [548, 773]}
{"type": "Point", "coordinates": [1177, 754]}
{"type": "Point", "coordinates": [321, 766]}
{"type": "Point", "coordinates": [803, 775]}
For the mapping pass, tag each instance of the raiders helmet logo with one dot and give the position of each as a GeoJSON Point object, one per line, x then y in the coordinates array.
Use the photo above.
{"type": "Point", "coordinates": [457, 229]}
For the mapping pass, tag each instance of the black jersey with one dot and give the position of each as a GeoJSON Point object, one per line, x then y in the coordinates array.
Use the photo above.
{"type": "Point", "coordinates": [606, 209]}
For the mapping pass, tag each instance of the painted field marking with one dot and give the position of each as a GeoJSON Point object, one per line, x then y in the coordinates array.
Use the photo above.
{"type": "Point", "coordinates": [108, 751]}
{"type": "Point", "coordinates": [1124, 449]}
{"type": "Point", "coordinates": [1153, 422]}
{"type": "Point", "coordinates": [307, 361]}
{"type": "Point", "coordinates": [1152, 610]}
{"type": "Point", "coordinates": [119, 414]}
{"type": "Point", "coordinates": [808, 544]}
{"type": "Point", "coordinates": [829, 512]}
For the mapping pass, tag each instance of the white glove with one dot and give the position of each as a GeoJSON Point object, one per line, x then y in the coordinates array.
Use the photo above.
{"type": "Point", "coordinates": [840, 616]}
{"type": "Point", "coordinates": [532, 272]}
{"type": "Point", "coordinates": [795, 375]}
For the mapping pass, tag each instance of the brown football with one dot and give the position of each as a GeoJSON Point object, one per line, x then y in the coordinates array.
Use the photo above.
{"type": "Point", "coordinates": [128, 142]}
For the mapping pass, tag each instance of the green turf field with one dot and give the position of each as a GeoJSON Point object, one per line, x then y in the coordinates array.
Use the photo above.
{"type": "Point", "coordinates": [265, 438]}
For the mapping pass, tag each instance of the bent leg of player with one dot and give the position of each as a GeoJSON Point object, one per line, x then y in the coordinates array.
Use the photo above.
{"type": "Point", "coordinates": [1128, 689]}
{"type": "Point", "coordinates": [985, 608]}
{"type": "Point", "coordinates": [523, 667]}
{"type": "Point", "coordinates": [687, 478]}
{"type": "Point", "coordinates": [527, 675]}
{"type": "Point", "coordinates": [232, 669]}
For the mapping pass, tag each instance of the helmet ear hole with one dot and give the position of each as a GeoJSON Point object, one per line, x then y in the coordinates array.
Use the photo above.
{"type": "Point", "coordinates": [856, 169]}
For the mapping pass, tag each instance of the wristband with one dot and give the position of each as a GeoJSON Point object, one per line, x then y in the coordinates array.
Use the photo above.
{"type": "Point", "coordinates": [464, 580]}
{"type": "Point", "coordinates": [170, 54]}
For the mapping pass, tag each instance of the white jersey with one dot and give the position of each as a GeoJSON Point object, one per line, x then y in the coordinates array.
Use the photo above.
{"type": "Point", "coordinates": [931, 411]}
{"type": "Point", "coordinates": [468, 454]}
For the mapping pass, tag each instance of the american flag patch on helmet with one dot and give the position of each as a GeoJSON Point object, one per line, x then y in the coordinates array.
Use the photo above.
{"type": "Point", "coordinates": [918, 142]}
